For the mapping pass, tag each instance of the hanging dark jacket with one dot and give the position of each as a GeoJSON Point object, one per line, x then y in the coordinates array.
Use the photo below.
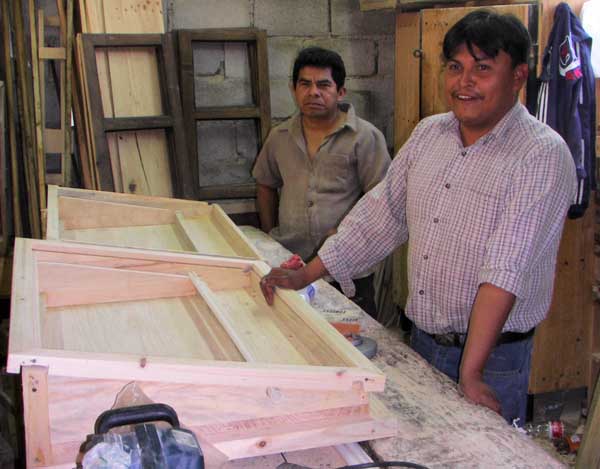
{"type": "Point", "coordinates": [566, 98]}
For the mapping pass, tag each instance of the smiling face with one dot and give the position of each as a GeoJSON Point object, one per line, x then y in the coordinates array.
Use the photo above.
{"type": "Point", "coordinates": [316, 93]}
{"type": "Point", "coordinates": [480, 90]}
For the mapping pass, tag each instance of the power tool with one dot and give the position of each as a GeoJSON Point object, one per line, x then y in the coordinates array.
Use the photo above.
{"type": "Point", "coordinates": [147, 445]}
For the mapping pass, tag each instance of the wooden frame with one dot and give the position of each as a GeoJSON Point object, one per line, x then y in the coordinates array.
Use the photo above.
{"type": "Point", "coordinates": [171, 120]}
{"type": "Point", "coordinates": [194, 332]}
{"type": "Point", "coordinates": [260, 112]}
{"type": "Point", "coordinates": [127, 220]}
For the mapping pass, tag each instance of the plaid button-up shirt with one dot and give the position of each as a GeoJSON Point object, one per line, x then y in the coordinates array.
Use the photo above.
{"type": "Point", "coordinates": [492, 212]}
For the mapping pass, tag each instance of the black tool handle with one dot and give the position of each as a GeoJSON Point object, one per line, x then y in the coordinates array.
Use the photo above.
{"type": "Point", "coordinates": [134, 415]}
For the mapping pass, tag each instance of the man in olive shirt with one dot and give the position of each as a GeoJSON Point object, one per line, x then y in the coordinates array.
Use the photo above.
{"type": "Point", "coordinates": [315, 166]}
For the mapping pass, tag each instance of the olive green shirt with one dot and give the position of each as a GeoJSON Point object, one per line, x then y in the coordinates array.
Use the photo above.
{"type": "Point", "coordinates": [315, 195]}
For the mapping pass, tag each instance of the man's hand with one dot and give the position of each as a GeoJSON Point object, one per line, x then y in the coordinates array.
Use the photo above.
{"type": "Point", "coordinates": [293, 279]}
{"type": "Point", "coordinates": [477, 392]}
{"type": "Point", "coordinates": [283, 278]}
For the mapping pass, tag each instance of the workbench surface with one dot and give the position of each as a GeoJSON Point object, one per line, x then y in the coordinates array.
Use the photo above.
{"type": "Point", "coordinates": [436, 426]}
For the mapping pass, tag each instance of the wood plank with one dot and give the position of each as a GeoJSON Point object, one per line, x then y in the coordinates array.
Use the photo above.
{"type": "Point", "coordinates": [264, 436]}
{"type": "Point", "coordinates": [234, 236]}
{"type": "Point", "coordinates": [188, 208]}
{"type": "Point", "coordinates": [12, 119]}
{"type": "Point", "coordinates": [53, 140]}
{"type": "Point", "coordinates": [69, 285]}
{"type": "Point", "coordinates": [25, 333]}
{"type": "Point", "coordinates": [191, 371]}
{"type": "Point", "coordinates": [195, 405]}
{"type": "Point", "coordinates": [66, 164]}
{"type": "Point", "coordinates": [407, 76]}
{"type": "Point", "coordinates": [223, 318]}
{"type": "Point", "coordinates": [76, 213]}
{"type": "Point", "coordinates": [35, 411]}
{"type": "Point", "coordinates": [52, 218]}
{"type": "Point", "coordinates": [588, 455]}
{"type": "Point", "coordinates": [39, 119]}
{"type": "Point", "coordinates": [562, 341]}
{"type": "Point", "coordinates": [52, 53]}
{"type": "Point", "coordinates": [26, 110]}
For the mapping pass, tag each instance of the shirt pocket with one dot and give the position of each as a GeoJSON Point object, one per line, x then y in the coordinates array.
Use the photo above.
{"type": "Point", "coordinates": [477, 211]}
{"type": "Point", "coordinates": [334, 173]}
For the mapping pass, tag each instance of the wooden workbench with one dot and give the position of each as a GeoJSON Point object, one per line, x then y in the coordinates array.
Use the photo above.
{"type": "Point", "coordinates": [436, 426]}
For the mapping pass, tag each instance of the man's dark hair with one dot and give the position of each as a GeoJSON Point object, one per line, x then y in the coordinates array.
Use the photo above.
{"type": "Point", "coordinates": [491, 33]}
{"type": "Point", "coordinates": [320, 58]}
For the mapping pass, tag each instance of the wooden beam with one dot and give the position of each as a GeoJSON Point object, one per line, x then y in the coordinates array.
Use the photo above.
{"type": "Point", "coordinates": [52, 53]}
{"type": "Point", "coordinates": [212, 302]}
{"type": "Point", "coordinates": [35, 412]}
{"type": "Point", "coordinates": [70, 285]}
{"type": "Point", "coordinates": [39, 119]}
{"type": "Point", "coordinates": [12, 118]}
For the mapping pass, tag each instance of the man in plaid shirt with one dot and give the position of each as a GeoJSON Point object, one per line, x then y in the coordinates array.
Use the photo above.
{"type": "Point", "coordinates": [482, 192]}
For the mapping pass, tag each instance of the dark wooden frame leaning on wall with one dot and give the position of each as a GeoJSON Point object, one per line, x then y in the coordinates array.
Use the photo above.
{"type": "Point", "coordinates": [171, 120]}
{"type": "Point", "coordinates": [260, 111]}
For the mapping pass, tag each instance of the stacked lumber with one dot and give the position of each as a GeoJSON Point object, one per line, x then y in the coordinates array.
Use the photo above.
{"type": "Point", "coordinates": [26, 170]}
{"type": "Point", "coordinates": [29, 140]}
{"type": "Point", "coordinates": [129, 86]}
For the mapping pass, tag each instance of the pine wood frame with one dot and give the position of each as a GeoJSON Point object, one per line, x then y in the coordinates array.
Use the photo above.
{"type": "Point", "coordinates": [200, 227]}
{"type": "Point", "coordinates": [256, 41]}
{"type": "Point", "coordinates": [254, 403]}
{"type": "Point", "coordinates": [171, 120]}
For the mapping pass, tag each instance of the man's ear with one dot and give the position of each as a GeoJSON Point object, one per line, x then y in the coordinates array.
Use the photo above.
{"type": "Point", "coordinates": [520, 74]}
{"type": "Point", "coordinates": [341, 93]}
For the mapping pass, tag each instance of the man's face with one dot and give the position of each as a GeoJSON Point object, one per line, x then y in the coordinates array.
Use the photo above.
{"type": "Point", "coordinates": [316, 93]}
{"type": "Point", "coordinates": [480, 91]}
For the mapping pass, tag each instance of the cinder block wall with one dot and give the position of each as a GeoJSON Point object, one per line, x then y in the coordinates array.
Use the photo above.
{"type": "Point", "coordinates": [365, 40]}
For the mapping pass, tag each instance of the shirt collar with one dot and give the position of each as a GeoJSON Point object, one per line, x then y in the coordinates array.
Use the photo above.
{"type": "Point", "coordinates": [451, 124]}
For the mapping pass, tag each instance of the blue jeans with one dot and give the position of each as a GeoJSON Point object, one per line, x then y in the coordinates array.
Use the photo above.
{"type": "Point", "coordinates": [506, 371]}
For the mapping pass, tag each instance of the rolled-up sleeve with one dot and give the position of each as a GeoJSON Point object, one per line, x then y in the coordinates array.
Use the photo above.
{"type": "Point", "coordinates": [542, 186]}
{"type": "Point", "coordinates": [374, 227]}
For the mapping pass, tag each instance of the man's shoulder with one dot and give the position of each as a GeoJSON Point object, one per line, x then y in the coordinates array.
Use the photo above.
{"type": "Point", "coordinates": [530, 129]}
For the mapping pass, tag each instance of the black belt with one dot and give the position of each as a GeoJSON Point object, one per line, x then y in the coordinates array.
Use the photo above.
{"type": "Point", "coordinates": [455, 339]}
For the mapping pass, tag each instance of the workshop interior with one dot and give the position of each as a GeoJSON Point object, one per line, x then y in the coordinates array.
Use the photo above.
{"type": "Point", "coordinates": [227, 227]}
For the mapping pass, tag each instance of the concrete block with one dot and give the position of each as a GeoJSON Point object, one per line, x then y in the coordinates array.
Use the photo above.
{"type": "Point", "coordinates": [282, 53]}
{"type": "Point", "coordinates": [385, 56]}
{"type": "Point", "coordinates": [209, 58]}
{"type": "Point", "coordinates": [358, 54]}
{"type": "Point", "coordinates": [226, 151]}
{"type": "Point", "coordinates": [219, 91]}
{"type": "Point", "coordinates": [381, 107]}
{"type": "Point", "coordinates": [196, 14]}
{"type": "Point", "coordinates": [282, 101]}
{"type": "Point", "coordinates": [236, 61]}
{"type": "Point", "coordinates": [362, 102]}
{"type": "Point", "coordinates": [346, 18]}
{"type": "Point", "coordinates": [291, 17]}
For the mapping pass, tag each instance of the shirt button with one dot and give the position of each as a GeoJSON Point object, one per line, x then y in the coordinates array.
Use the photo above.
{"type": "Point", "coordinates": [425, 256]}
{"type": "Point", "coordinates": [447, 185]}
{"type": "Point", "coordinates": [421, 292]}
{"type": "Point", "coordinates": [436, 220]}
{"type": "Point", "coordinates": [463, 153]}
